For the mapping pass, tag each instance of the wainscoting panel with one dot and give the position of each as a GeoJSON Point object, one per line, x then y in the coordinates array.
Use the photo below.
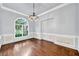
{"type": "Point", "coordinates": [63, 40]}
{"type": "Point", "coordinates": [0, 41]}
{"type": "Point", "coordinates": [9, 38]}
{"type": "Point", "coordinates": [78, 44]}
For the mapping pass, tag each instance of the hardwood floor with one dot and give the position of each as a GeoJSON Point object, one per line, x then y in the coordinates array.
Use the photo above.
{"type": "Point", "coordinates": [34, 47]}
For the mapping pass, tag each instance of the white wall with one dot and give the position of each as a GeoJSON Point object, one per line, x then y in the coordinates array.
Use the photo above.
{"type": "Point", "coordinates": [77, 24]}
{"type": "Point", "coordinates": [62, 29]}
{"type": "Point", "coordinates": [7, 21]}
{"type": "Point", "coordinates": [63, 25]}
{"type": "Point", "coordinates": [7, 26]}
{"type": "Point", "coordinates": [63, 21]}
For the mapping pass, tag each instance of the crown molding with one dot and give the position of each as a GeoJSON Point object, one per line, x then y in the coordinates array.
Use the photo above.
{"type": "Point", "coordinates": [55, 8]}
{"type": "Point", "coordinates": [12, 10]}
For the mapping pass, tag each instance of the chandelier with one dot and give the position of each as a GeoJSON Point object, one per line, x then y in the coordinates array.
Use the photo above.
{"type": "Point", "coordinates": [33, 16]}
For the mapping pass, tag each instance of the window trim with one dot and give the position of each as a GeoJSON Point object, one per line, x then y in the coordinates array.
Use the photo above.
{"type": "Point", "coordinates": [26, 25]}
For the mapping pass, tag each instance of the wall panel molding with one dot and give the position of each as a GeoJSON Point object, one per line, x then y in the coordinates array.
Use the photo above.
{"type": "Point", "coordinates": [63, 40]}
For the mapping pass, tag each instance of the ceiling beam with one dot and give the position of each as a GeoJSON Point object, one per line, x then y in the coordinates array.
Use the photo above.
{"type": "Point", "coordinates": [53, 9]}
{"type": "Point", "coordinates": [12, 10]}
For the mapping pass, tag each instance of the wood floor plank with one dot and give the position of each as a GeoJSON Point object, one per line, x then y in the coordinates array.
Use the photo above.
{"type": "Point", "coordinates": [35, 47]}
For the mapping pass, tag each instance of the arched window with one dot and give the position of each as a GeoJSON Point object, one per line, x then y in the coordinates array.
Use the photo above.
{"type": "Point", "coordinates": [21, 27]}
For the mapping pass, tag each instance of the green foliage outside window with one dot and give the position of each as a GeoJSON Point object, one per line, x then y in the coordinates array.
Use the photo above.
{"type": "Point", "coordinates": [21, 28]}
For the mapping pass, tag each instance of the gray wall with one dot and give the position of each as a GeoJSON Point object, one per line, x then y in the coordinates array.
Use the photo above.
{"type": "Point", "coordinates": [7, 22]}
{"type": "Point", "coordinates": [63, 21]}
{"type": "Point", "coordinates": [77, 25]}
{"type": "Point", "coordinates": [0, 22]}
{"type": "Point", "coordinates": [7, 26]}
{"type": "Point", "coordinates": [77, 19]}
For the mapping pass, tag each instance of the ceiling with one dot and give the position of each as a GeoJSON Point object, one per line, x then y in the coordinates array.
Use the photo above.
{"type": "Point", "coordinates": [27, 8]}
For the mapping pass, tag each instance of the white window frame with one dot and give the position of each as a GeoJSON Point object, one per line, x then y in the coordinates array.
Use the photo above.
{"type": "Point", "coordinates": [22, 28]}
